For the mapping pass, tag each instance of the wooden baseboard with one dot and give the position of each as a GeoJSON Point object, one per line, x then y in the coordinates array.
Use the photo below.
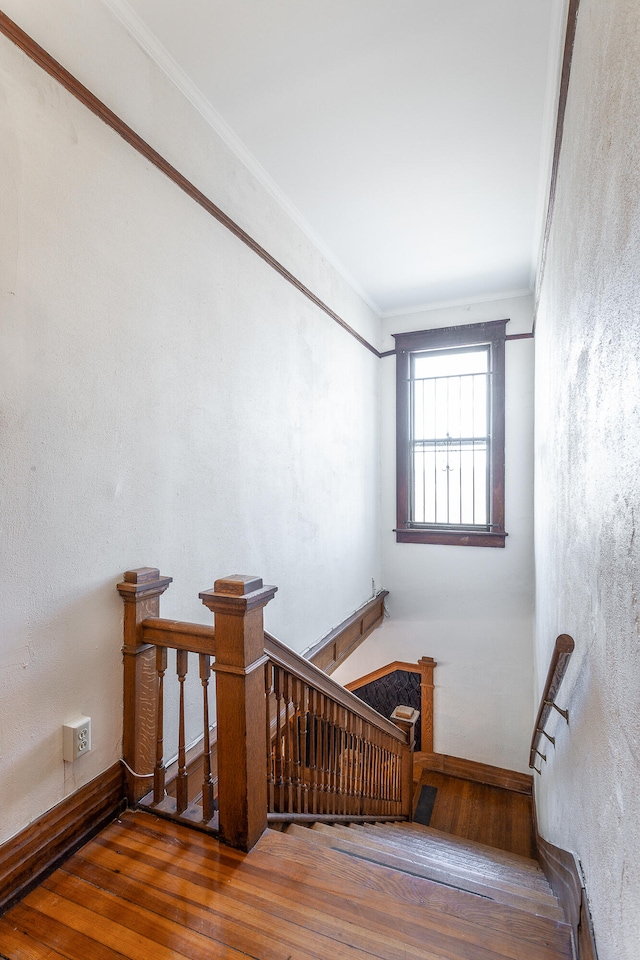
{"type": "Point", "coordinates": [340, 642]}
{"type": "Point", "coordinates": [563, 873]}
{"type": "Point", "coordinates": [478, 772]}
{"type": "Point", "coordinates": [34, 852]}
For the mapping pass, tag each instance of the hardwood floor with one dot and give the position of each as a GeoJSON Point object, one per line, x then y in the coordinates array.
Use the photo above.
{"type": "Point", "coordinates": [500, 818]}
{"type": "Point", "coordinates": [147, 889]}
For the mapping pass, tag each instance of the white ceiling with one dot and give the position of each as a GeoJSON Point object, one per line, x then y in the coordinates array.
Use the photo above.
{"type": "Point", "coordinates": [412, 137]}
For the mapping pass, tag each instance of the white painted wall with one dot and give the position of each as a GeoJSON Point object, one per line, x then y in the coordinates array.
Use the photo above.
{"type": "Point", "coordinates": [167, 399]}
{"type": "Point", "coordinates": [587, 470]}
{"type": "Point", "coordinates": [468, 607]}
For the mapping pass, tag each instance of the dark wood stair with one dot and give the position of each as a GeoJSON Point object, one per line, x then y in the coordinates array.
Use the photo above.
{"type": "Point", "coordinates": [149, 889]}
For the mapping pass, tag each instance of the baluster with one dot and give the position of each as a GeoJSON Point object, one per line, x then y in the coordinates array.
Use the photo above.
{"type": "Point", "coordinates": [268, 688]}
{"type": "Point", "coordinates": [367, 770]}
{"type": "Point", "coordinates": [288, 742]}
{"type": "Point", "coordinates": [208, 808]}
{"type": "Point", "coordinates": [320, 754]}
{"type": "Point", "coordinates": [182, 780]}
{"type": "Point", "coordinates": [332, 755]}
{"type": "Point", "coordinates": [304, 753]}
{"type": "Point", "coordinates": [296, 784]}
{"type": "Point", "coordinates": [159, 770]}
{"type": "Point", "coordinates": [279, 782]}
{"type": "Point", "coordinates": [350, 765]}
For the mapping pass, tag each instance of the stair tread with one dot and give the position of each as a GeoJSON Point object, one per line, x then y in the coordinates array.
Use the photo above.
{"type": "Point", "coordinates": [458, 858]}
{"type": "Point", "coordinates": [418, 830]}
{"type": "Point", "coordinates": [409, 898]}
{"type": "Point", "coordinates": [539, 903]}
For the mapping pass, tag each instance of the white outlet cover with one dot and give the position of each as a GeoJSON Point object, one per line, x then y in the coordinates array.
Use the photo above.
{"type": "Point", "coordinates": [76, 739]}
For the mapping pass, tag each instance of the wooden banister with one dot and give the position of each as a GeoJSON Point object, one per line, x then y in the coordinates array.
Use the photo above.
{"type": "Point", "coordinates": [301, 668]}
{"type": "Point", "coordinates": [562, 651]}
{"type": "Point", "coordinates": [289, 739]}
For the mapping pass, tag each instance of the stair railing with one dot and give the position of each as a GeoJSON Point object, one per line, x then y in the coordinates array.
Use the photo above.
{"type": "Point", "coordinates": [290, 743]}
{"type": "Point", "coordinates": [557, 668]}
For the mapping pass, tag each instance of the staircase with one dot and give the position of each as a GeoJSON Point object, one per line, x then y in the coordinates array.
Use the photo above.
{"type": "Point", "coordinates": [150, 888]}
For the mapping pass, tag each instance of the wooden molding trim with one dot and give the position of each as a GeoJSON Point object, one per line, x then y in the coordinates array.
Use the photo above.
{"type": "Point", "coordinates": [340, 642]}
{"type": "Point", "coordinates": [563, 873]}
{"type": "Point", "coordinates": [478, 772]}
{"type": "Point", "coordinates": [570, 36]}
{"type": "Point", "coordinates": [44, 60]}
{"type": "Point", "coordinates": [382, 672]}
{"type": "Point", "coordinates": [424, 667]}
{"type": "Point", "coordinates": [34, 852]}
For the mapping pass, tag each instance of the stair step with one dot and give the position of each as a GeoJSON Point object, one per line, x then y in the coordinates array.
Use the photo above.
{"type": "Point", "coordinates": [475, 856]}
{"type": "Point", "coordinates": [418, 907]}
{"type": "Point", "coordinates": [362, 846]}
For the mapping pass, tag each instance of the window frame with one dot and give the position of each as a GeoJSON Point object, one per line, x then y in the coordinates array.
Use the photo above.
{"type": "Point", "coordinates": [491, 334]}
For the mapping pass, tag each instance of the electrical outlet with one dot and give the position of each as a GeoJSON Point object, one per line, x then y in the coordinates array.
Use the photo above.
{"type": "Point", "coordinates": [76, 739]}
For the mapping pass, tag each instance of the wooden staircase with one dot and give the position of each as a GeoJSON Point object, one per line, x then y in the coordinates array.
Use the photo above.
{"type": "Point", "coordinates": [151, 889]}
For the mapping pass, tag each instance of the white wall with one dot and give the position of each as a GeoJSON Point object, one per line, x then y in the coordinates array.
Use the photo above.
{"type": "Point", "coordinates": [468, 607]}
{"type": "Point", "coordinates": [167, 399]}
{"type": "Point", "coordinates": [587, 470]}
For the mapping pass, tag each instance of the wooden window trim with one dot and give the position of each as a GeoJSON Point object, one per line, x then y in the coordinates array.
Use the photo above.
{"type": "Point", "coordinates": [492, 333]}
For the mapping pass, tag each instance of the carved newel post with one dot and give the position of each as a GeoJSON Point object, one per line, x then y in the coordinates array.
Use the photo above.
{"type": "Point", "coordinates": [237, 603]}
{"type": "Point", "coordinates": [141, 591]}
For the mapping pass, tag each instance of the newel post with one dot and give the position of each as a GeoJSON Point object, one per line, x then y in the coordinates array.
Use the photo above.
{"type": "Point", "coordinates": [405, 719]}
{"type": "Point", "coordinates": [427, 666]}
{"type": "Point", "coordinates": [140, 590]}
{"type": "Point", "coordinates": [237, 603]}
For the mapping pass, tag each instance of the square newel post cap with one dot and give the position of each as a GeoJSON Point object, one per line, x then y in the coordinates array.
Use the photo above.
{"type": "Point", "coordinates": [405, 717]}
{"type": "Point", "coordinates": [237, 594]}
{"type": "Point", "coordinates": [142, 583]}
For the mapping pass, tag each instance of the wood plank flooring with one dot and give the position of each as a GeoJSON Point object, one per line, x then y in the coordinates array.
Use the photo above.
{"type": "Point", "coordinates": [147, 889]}
{"type": "Point", "coordinates": [499, 818]}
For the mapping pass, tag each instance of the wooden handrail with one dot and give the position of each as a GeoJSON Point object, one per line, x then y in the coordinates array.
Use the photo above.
{"type": "Point", "coordinates": [284, 656]}
{"type": "Point", "coordinates": [179, 635]}
{"type": "Point", "coordinates": [557, 668]}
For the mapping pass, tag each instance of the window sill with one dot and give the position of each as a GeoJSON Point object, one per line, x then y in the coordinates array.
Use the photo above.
{"type": "Point", "coordinates": [468, 538]}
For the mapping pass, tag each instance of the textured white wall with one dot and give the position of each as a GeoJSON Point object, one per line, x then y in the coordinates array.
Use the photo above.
{"type": "Point", "coordinates": [167, 399]}
{"type": "Point", "coordinates": [468, 607]}
{"type": "Point", "coordinates": [587, 470]}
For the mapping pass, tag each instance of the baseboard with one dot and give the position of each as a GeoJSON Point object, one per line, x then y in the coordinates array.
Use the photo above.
{"type": "Point", "coordinates": [340, 642]}
{"type": "Point", "coordinates": [563, 873]}
{"type": "Point", "coordinates": [33, 853]}
{"type": "Point", "coordinates": [478, 772]}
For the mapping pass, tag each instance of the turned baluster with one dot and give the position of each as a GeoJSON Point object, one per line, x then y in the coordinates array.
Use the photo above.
{"type": "Point", "coordinates": [159, 771]}
{"type": "Point", "coordinates": [303, 739]}
{"type": "Point", "coordinates": [296, 779]}
{"type": "Point", "coordinates": [182, 779]}
{"type": "Point", "coordinates": [268, 696]}
{"type": "Point", "coordinates": [207, 782]}
{"type": "Point", "coordinates": [288, 743]}
{"type": "Point", "coordinates": [279, 781]}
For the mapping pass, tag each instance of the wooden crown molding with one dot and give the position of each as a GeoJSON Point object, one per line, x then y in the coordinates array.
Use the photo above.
{"type": "Point", "coordinates": [46, 62]}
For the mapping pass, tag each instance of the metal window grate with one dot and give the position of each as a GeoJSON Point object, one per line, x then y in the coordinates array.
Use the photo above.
{"type": "Point", "coordinates": [450, 442]}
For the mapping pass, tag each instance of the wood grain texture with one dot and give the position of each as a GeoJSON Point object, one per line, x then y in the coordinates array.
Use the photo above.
{"type": "Point", "coordinates": [44, 60]}
{"type": "Point", "coordinates": [152, 889]}
{"type": "Point", "coordinates": [563, 872]}
{"type": "Point", "coordinates": [478, 772]}
{"type": "Point", "coordinates": [562, 650]}
{"type": "Point", "coordinates": [482, 813]}
{"type": "Point", "coordinates": [30, 855]}
{"type": "Point", "coordinates": [339, 643]}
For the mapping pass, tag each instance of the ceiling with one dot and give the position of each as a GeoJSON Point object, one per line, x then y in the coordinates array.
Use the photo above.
{"type": "Point", "coordinates": [410, 138]}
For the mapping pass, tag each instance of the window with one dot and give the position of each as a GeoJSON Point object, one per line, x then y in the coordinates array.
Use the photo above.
{"type": "Point", "coordinates": [450, 435]}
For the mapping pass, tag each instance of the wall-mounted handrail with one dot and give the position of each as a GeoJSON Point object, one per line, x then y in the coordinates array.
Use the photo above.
{"type": "Point", "coordinates": [557, 668]}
